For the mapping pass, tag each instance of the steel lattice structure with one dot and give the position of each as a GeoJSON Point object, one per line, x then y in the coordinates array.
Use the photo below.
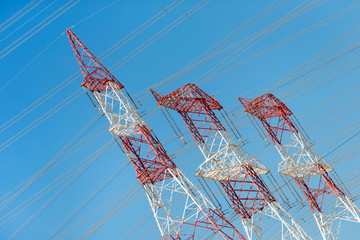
{"type": "Point", "coordinates": [328, 202]}
{"type": "Point", "coordinates": [180, 209]}
{"type": "Point", "coordinates": [236, 170]}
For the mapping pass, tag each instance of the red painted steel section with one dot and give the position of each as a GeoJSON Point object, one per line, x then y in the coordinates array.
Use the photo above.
{"type": "Point", "coordinates": [272, 113]}
{"type": "Point", "coordinates": [248, 195]}
{"type": "Point", "coordinates": [96, 76]}
{"type": "Point", "coordinates": [220, 229]}
{"type": "Point", "coordinates": [148, 156]}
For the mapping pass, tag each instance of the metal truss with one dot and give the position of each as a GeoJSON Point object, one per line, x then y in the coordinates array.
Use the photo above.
{"type": "Point", "coordinates": [236, 170]}
{"type": "Point", "coordinates": [180, 209]}
{"type": "Point", "coordinates": [327, 200]}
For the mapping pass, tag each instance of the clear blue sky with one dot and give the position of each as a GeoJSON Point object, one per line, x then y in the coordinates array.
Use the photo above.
{"type": "Point", "coordinates": [165, 57]}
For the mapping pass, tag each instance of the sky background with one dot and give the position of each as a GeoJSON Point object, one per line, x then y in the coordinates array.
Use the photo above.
{"type": "Point", "coordinates": [325, 101]}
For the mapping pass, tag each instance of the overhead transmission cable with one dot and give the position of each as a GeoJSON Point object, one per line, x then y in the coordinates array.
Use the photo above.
{"type": "Point", "coordinates": [117, 199]}
{"type": "Point", "coordinates": [4, 52]}
{"type": "Point", "coordinates": [141, 28]}
{"type": "Point", "coordinates": [256, 38]}
{"type": "Point", "coordinates": [29, 20]}
{"type": "Point", "coordinates": [88, 200]}
{"type": "Point", "coordinates": [157, 36]}
{"type": "Point", "coordinates": [14, 195]}
{"type": "Point", "coordinates": [31, 61]}
{"type": "Point", "coordinates": [52, 111]}
{"type": "Point", "coordinates": [52, 185]}
{"type": "Point", "coordinates": [282, 43]}
{"type": "Point", "coordinates": [18, 15]}
{"type": "Point", "coordinates": [48, 46]}
{"type": "Point", "coordinates": [101, 151]}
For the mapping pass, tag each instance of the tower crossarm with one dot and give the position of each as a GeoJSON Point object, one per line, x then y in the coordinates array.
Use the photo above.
{"type": "Point", "coordinates": [187, 99]}
{"type": "Point", "coordinates": [180, 209]}
{"type": "Point", "coordinates": [269, 107]}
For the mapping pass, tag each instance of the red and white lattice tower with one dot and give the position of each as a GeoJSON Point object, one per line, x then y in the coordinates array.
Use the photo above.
{"type": "Point", "coordinates": [327, 200]}
{"type": "Point", "coordinates": [180, 209]}
{"type": "Point", "coordinates": [236, 170]}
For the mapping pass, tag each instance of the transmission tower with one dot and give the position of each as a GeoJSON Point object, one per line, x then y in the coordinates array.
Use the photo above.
{"type": "Point", "coordinates": [236, 170]}
{"type": "Point", "coordinates": [327, 200]}
{"type": "Point", "coordinates": [180, 209]}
